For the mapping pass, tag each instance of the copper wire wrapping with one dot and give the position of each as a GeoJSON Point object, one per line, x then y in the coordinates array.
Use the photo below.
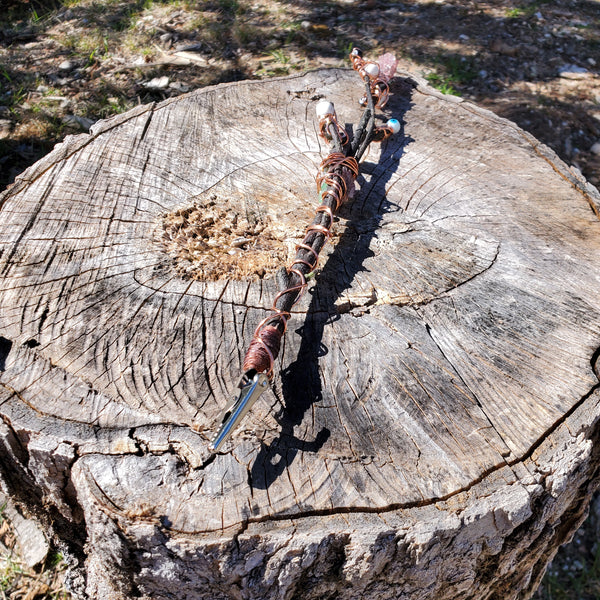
{"type": "Point", "coordinates": [330, 174]}
{"type": "Point", "coordinates": [335, 184]}
{"type": "Point", "coordinates": [382, 133]}
{"type": "Point", "coordinates": [262, 349]}
{"type": "Point", "coordinates": [324, 124]}
{"type": "Point", "coordinates": [381, 91]}
{"type": "Point", "coordinates": [379, 88]}
{"type": "Point", "coordinates": [265, 344]}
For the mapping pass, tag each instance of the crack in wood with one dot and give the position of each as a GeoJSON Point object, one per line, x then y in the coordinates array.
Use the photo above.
{"type": "Point", "coordinates": [503, 453]}
{"type": "Point", "coordinates": [136, 336]}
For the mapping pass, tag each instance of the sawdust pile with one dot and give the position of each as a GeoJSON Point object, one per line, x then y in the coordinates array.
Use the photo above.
{"type": "Point", "coordinates": [210, 243]}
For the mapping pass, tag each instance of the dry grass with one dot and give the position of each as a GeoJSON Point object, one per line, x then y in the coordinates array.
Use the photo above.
{"type": "Point", "coordinates": [19, 582]}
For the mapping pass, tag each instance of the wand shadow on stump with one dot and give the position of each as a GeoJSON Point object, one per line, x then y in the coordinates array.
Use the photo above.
{"type": "Point", "coordinates": [301, 381]}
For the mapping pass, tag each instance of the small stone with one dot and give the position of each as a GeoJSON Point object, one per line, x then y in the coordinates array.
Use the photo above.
{"type": "Point", "coordinates": [77, 121]}
{"type": "Point", "coordinates": [591, 61]}
{"type": "Point", "coordinates": [42, 89]}
{"type": "Point", "coordinates": [501, 47]}
{"type": "Point", "coordinates": [595, 149]}
{"type": "Point", "coordinates": [305, 25]}
{"type": "Point", "coordinates": [66, 65]}
{"type": "Point", "coordinates": [463, 37]}
{"type": "Point", "coordinates": [5, 128]}
{"type": "Point", "coordinates": [240, 242]}
{"type": "Point", "coordinates": [179, 86]}
{"type": "Point", "coordinates": [32, 541]}
{"type": "Point", "coordinates": [572, 72]}
{"type": "Point", "coordinates": [166, 37]}
{"type": "Point", "coordinates": [158, 83]}
{"type": "Point", "coordinates": [64, 102]}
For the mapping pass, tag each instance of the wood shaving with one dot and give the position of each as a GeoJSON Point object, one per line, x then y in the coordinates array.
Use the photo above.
{"type": "Point", "coordinates": [209, 243]}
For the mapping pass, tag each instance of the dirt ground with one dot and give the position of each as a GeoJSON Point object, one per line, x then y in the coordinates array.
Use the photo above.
{"type": "Point", "coordinates": [66, 63]}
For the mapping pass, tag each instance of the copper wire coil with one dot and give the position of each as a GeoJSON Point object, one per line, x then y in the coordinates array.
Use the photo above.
{"type": "Point", "coordinates": [328, 178]}
{"type": "Point", "coordinates": [326, 231]}
{"type": "Point", "coordinates": [379, 88]}
{"type": "Point", "coordinates": [324, 124]}
{"type": "Point", "coordinates": [357, 61]}
{"type": "Point", "coordinates": [326, 209]}
{"type": "Point", "coordinates": [260, 355]}
{"type": "Point", "coordinates": [381, 91]}
{"type": "Point", "coordinates": [338, 188]}
{"type": "Point", "coordinates": [333, 162]}
{"type": "Point", "coordinates": [284, 315]}
{"type": "Point", "coordinates": [359, 64]}
{"type": "Point", "coordinates": [311, 266]}
{"type": "Point", "coordinates": [305, 246]}
{"type": "Point", "coordinates": [337, 159]}
{"type": "Point", "coordinates": [266, 341]}
{"type": "Point", "coordinates": [382, 133]}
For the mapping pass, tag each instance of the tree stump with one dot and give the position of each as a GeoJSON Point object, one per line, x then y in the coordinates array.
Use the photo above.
{"type": "Point", "coordinates": [432, 432]}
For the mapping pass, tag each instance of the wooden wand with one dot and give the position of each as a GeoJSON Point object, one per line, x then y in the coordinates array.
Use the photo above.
{"type": "Point", "coordinates": [335, 184]}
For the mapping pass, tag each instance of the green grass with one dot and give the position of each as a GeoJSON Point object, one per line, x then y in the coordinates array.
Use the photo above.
{"type": "Point", "coordinates": [103, 105]}
{"type": "Point", "coordinates": [344, 47]}
{"type": "Point", "coordinates": [573, 584]}
{"type": "Point", "coordinates": [452, 72]}
{"type": "Point", "coordinates": [514, 13]}
{"type": "Point", "coordinates": [231, 6]}
{"type": "Point", "coordinates": [526, 11]}
{"type": "Point", "coordinates": [12, 570]}
{"type": "Point", "coordinates": [280, 56]}
{"type": "Point", "coordinates": [5, 74]}
{"type": "Point", "coordinates": [441, 84]}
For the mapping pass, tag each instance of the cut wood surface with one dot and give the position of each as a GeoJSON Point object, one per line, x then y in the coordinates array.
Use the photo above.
{"type": "Point", "coordinates": [432, 428]}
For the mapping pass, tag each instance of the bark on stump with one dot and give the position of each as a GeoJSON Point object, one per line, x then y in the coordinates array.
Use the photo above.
{"type": "Point", "coordinates": [433, 427]}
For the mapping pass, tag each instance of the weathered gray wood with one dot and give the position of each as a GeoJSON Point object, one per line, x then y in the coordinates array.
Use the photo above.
{"type": "Point", "coordinates": [432, 432]}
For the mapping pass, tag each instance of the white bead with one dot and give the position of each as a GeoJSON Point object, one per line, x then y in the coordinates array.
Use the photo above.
{"type": "Point", "coordinates": [394, 125]}
{"type": "Point", "coordinates": [325, 108]}
{"type": "Point", "coordinates": [372, 69]}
